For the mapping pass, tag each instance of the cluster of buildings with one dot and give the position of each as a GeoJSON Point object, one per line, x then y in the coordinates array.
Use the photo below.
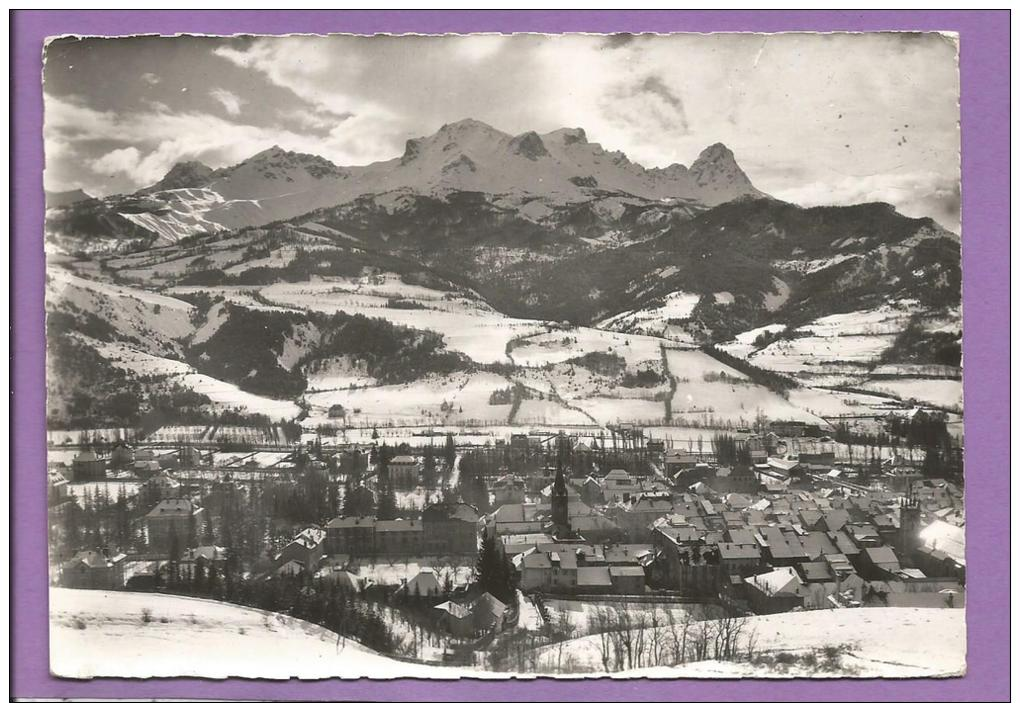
{"type": "Point", "coordinates": [123, 461]}
{"type": "Point", "coordinates": [442, 529]}
{"type": "Point", "coordinates": [762, 538]}
{"type": "Point", "coordinates": [779, 532]}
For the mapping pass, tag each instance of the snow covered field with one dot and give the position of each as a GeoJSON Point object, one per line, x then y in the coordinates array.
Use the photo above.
{"type": "Point", "coordinates": [561, 345]}
{"type": "Point", "coordinates": [885, 642]}
{"type": "Point", "coordinates": [942, 393]}
{"type": "Point", "coordinates": [227, 395]}
{"type": "Point", "coordinates": [433, 400]}
{"type": "Point", "coordinates": [469, 326]}
{"type": "Point", "coordinates": [709, 392]}
{"type": "Point", "coordinates": [102, 633]}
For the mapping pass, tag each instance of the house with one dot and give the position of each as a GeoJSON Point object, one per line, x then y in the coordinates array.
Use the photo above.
{"type": "Point", "coordinates": [590, 490]}
{"type": "Point", "coordinates": [864, 536]}
{"type": "Point", "coordinates": [174, 520]}
{"type": "Point", "coordinates": [597, 528]}
{"type": "Point", "coordinates": [549, 570]}
{"type": "Point", "coordinates": [307, 549]}
{"type": "Point", "coordinates": [835, 519]}
{"type": "Point", "coordinates": [424, 585]}
{"type": "Point", "coordinates": [814, 571]}
{"type": "Point", "coordinates": [509, 489]}
{"type": "Point", "coordinates": [455, 619]}
{"type": "Point", "coordinates": [403, 472]}
{"type": "Point", "coordinates": [122, 456]}
{"type": "Point", "coordinates": [942, 550]}
{"type": "Point", "coordinates": [513, 545]}
{"type": "Point", "coordinates": [291, 568]}
{"type": "Point", "coordinates": [781, 548]}
{"type": "Point", "coordinates": [86, 466]}
{"type": "Point", "coordinates": [58, 488]}
{"type": "Point", "coordinates": [880, 563]}
{"type": "Point", "coordinates": [351, 535]}
{"type": "Point", "coordinates": [339, 578]}
{"type": "Point", "coordinates": [473, 619]}
{"type": "Point", "coordinates": [776, 591]}
{"type": "Point", "coordinates": [812, 520]}
{"type": "Point", "coordinates": [839, 566]}
{"type": "Point", "coordinates": [352, 461]}
{"type": "Point", "coordinates": [627, 579]}
{"type": "Point", "coordinates": [794, 429]}
{"type": "Point", "coordinates": [450, 528]}
{"type": "Point", "coordinates": [200, 560]}
{"type": "Point", "coordinates": [94, 568]}
{"type": "Point", "coordinates": [399, 537]}
{"type": "Point", "coordinates": [636, 518]}
{"type": "Point", "coordinates": [515, 518]}
{"type": "Point", "coordinates": [161, 486]}
{"type": "Point", "coordinates": [677, 460]}
{"type": "Point", "coordinates": [618, 486]}
{"type": "Point", "coordinates": [739, 558]}
{"type": "Point", "coordinates": [593, 579]}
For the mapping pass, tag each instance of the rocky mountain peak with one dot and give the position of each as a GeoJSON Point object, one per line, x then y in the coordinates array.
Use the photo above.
{"type": "Point", "coordinates": [185, 174]}
{"type": "Point", "coordinates": [528, 145]}
{"type": "Point", "coordinates": [569, 135]}
{"type": "Point", "coordinates": [717, 166]}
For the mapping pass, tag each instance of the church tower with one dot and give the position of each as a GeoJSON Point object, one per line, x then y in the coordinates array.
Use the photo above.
{"type": "Point", "coordinates": [560, 514]}
{"type": "Point", "coordinates": [910, 527]}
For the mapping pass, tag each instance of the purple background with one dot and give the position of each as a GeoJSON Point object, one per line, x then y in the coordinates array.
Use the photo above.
{"type": "Point", "coordinates": [984, 66]}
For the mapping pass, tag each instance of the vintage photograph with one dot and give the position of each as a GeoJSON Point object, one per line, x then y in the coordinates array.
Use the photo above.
{"type": "Point", "coordinates": [504, 355]}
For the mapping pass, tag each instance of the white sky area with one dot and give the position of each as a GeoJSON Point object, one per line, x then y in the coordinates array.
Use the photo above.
{"type": "Point", "coordinates": [812, 118]}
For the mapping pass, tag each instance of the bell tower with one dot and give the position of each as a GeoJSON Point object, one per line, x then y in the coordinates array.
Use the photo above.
{"type": "Point", "coordinates": [909, 538]}
{"type": "Point", "coordinates": [560, 515]}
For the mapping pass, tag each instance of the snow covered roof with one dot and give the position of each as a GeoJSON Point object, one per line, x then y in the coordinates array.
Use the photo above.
{"type": "Point", "coordinates": [173, 506]}
{"type": "Point", "coordinates": [728, 550]}
{"type": "Point", "coordinates": [782, 579]}
{"type": "Point", "coordinates": [309, 537]}
{"type": "Point", "coordinates": [95, 559]}
{"type": "Point", "coordinates": [947, 538]}
{"type": "Point", "coordinates": [455, 609]}
{"type": "Point", "coordinates": [594, 576]}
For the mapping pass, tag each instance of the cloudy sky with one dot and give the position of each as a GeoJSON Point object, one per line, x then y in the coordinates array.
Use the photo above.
{"type": "Point", "coordinates": [814, 119]}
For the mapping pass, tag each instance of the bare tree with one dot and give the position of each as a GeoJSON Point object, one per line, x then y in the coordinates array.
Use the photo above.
{"type": "Point", "coordinates": [678, 631]}
{"type": "Point", "coordinates": [600, 624]}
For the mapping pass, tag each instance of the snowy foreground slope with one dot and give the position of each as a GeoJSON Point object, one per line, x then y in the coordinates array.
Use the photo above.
{"type": "Point", "coordinates": [882, 642]}
{"type": "Point", "coordinates": [201, 638]}
{"type": "Point", "coordinates": [102, 633]}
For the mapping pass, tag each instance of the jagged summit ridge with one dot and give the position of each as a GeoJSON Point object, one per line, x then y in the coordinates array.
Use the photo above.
{"type": "Point", "coordinates": [542, 172]}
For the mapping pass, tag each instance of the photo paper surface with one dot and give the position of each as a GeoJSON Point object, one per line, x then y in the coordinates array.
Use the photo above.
{"type": "Point", "coordinates": [505, 355]}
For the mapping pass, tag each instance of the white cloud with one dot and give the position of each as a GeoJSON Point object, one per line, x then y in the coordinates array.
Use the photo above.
{"type": "Point", "coordinates": [118, 161]}
{"type": "Point", "coordinates": [230, 101]}
{"type": "Point", "coordinates": [151, 78]}
{"type": "Point", "coordinates": [915, 194]}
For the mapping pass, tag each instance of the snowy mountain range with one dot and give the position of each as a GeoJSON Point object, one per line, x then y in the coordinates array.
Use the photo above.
{"type": "Point", "coordinates": [535, 174]}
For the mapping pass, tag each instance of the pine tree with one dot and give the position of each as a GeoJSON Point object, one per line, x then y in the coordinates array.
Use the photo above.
{"type": "Point", "coordinates": [494, 572]}
{"type": "Point", "coordinates": [387, 508]}
{"type": "Point", "coordinates": [429, 468]}
{"type": "Point", "coordinates": [450, 451]}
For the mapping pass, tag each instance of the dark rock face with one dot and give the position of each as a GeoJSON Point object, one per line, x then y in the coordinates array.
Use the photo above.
{"type": "Point", "coordinates": [184, 174]}
{"type": "Point", "coordinates": [528, 145]}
